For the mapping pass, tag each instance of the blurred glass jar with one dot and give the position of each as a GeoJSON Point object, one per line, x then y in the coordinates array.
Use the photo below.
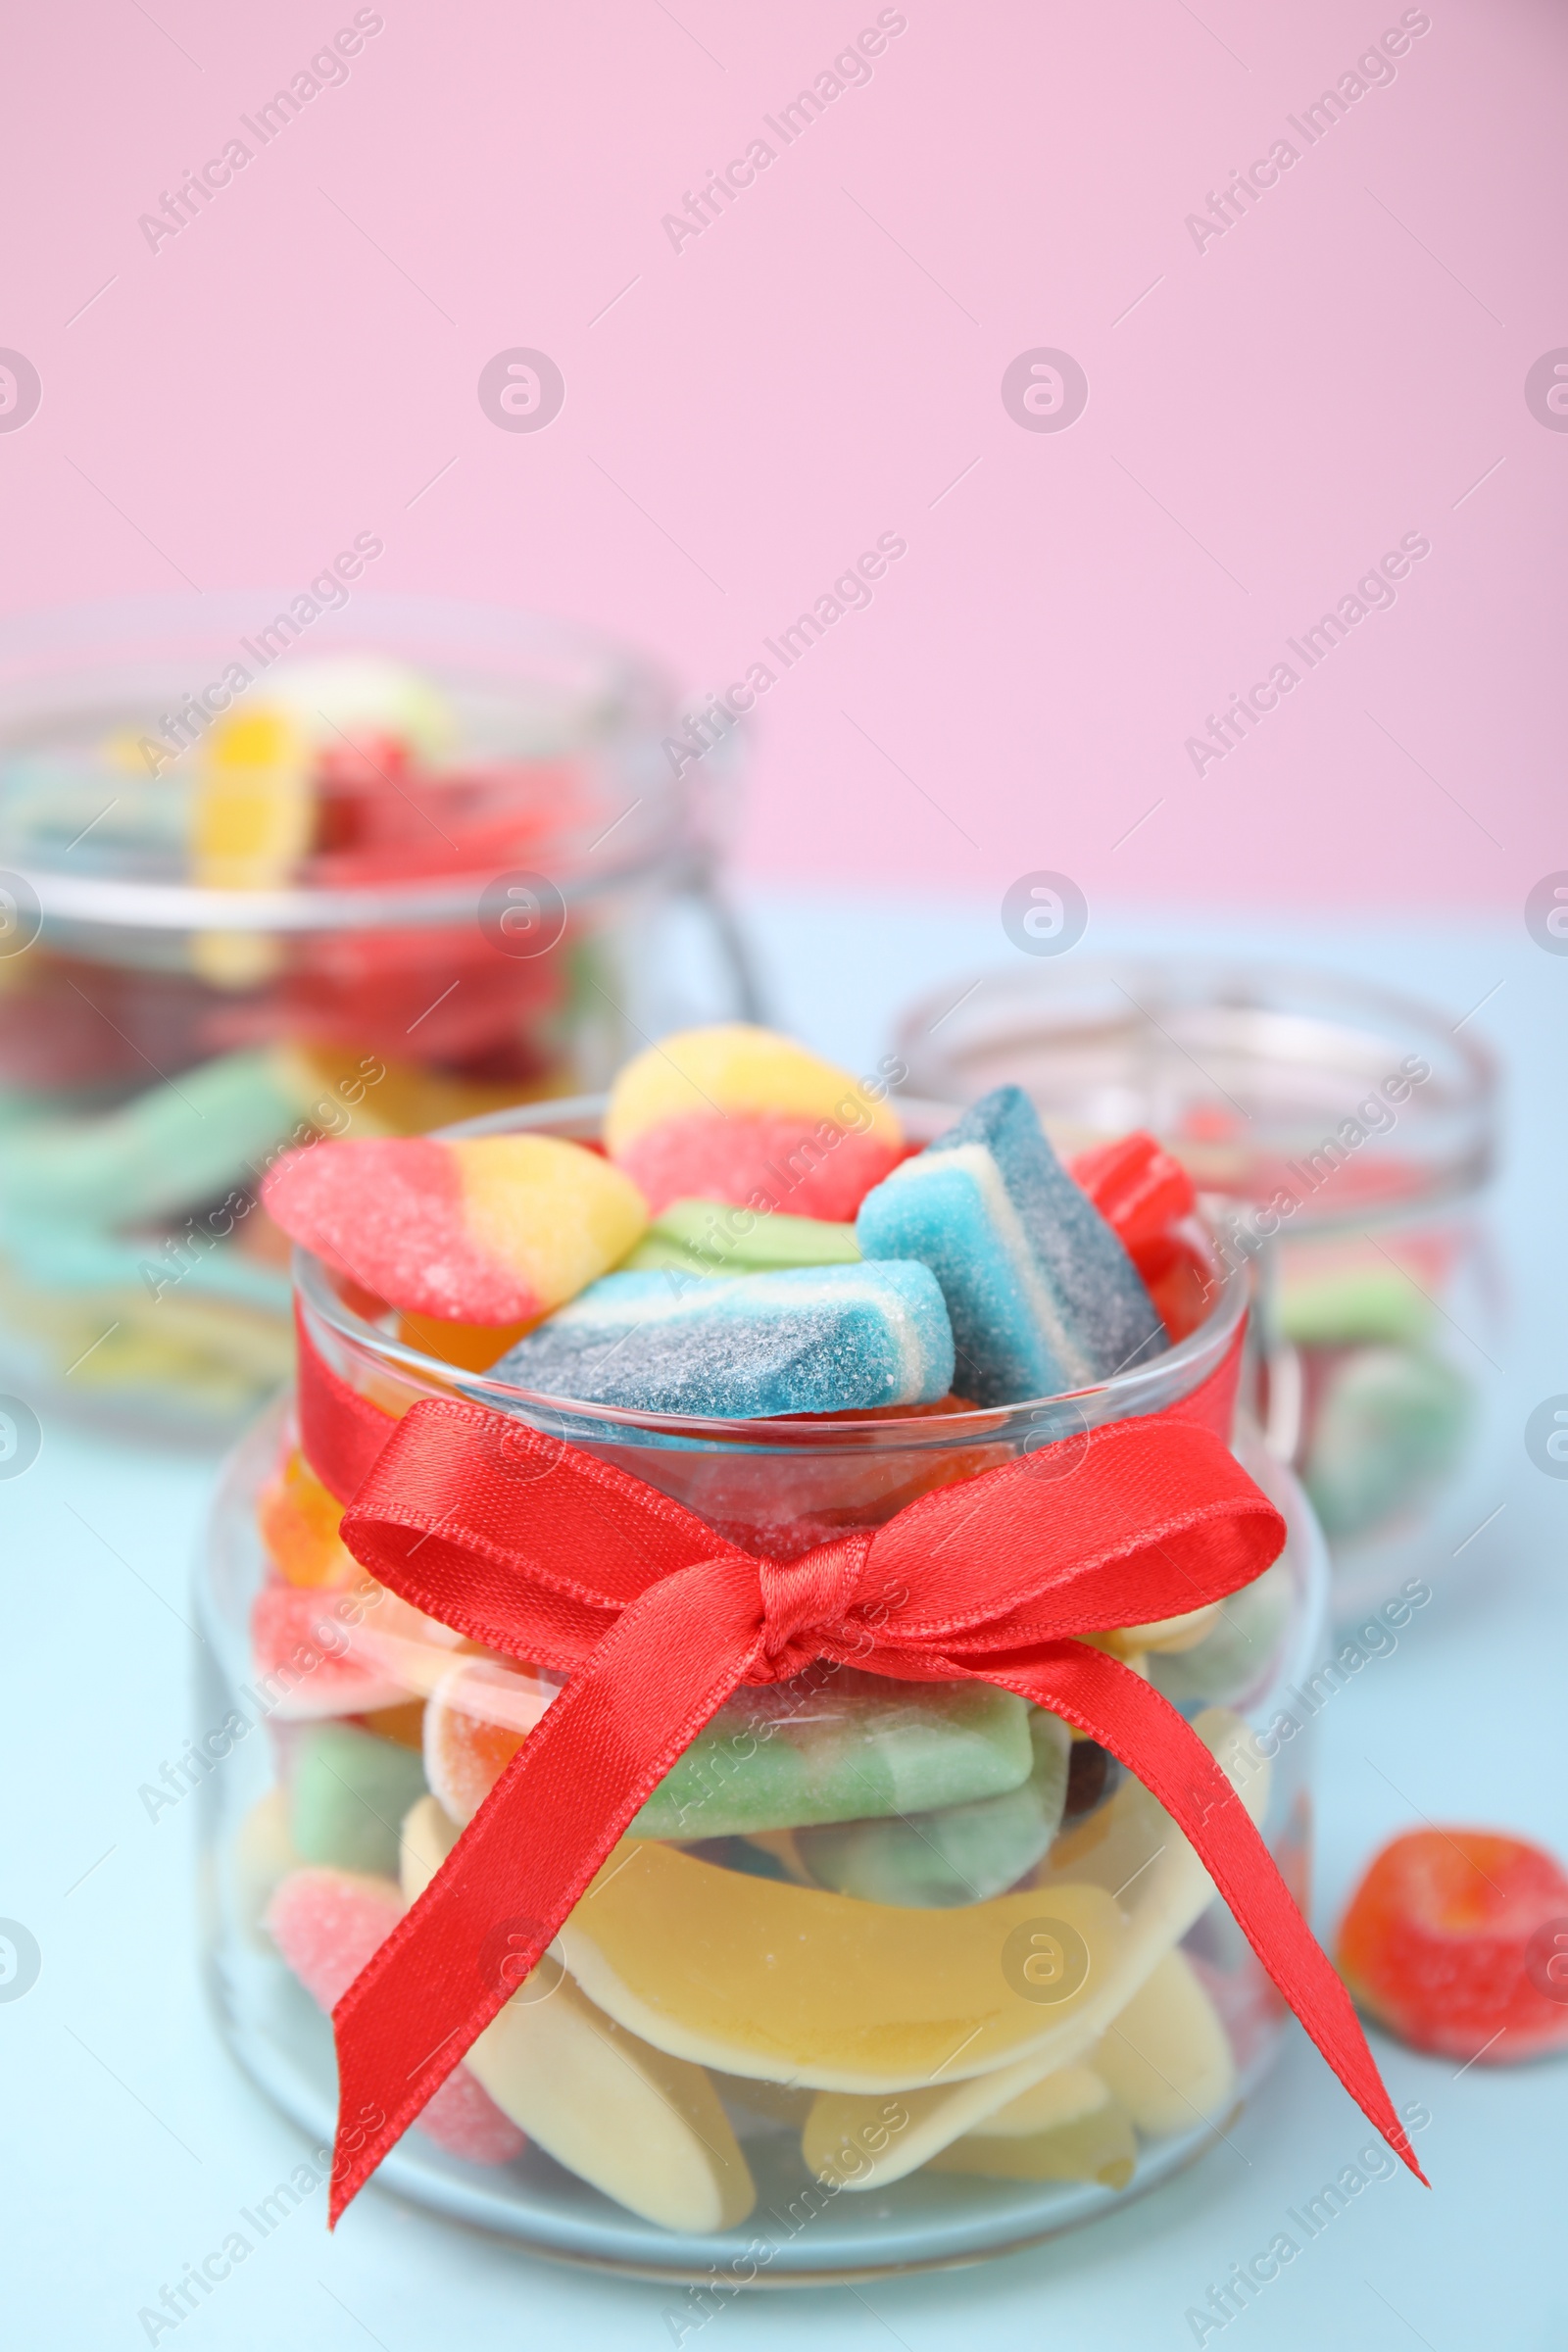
{"type": "Point", "coordinates": [346, 1734]}
{"type": "Point", "coordinates": [1345, 1138]}
{"type": "Point", "coordinates": [263, 881]}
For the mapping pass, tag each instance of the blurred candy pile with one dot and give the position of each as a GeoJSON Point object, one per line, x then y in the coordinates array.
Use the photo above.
{"type": "Point", "coordinates": [270, 926]}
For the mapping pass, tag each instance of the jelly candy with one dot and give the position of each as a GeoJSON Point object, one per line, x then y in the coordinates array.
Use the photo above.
{"type": "Point", "coordinates": [1457, 1942]}
{"type": "Point", "coordinates": [1235, 1652]}
{"type": "Point", "coordinates": [171, 1147]}
{"type": "Point", "coordinates": [496, 1230]}
{"type": "Point", "coordinates": [962, 1853]}
{"type": "Point", "coordinates": [299, 1519]}
{"type": "Point", "coordinates": [738, 1114]}
{"type": "Point", "coordinates": [328, 1923]}
{"type": "Point", "coordinates": [303, 1654]}
{"type": "Point", "coordinates": [348, 1793]}
{"type": "Point", "coordinates": [645, 2128]}
{"type": "Point", "coordinates": [1166, 2055]}
{"type": "Point", "coordinates": [815, 1750]}
{"type": "Point", "coordinates": [1131, 1850]}
{"type": "Point", "coordinates": [1095, 2144]}
{"type": "Point", "coordinates": [797, 1753]}
{"type": "Point", "coordinates": [702, 1237]}
{"type": "Point", "coordinates": [261, 1857]}
{"type": "Point", "coordinates": [474, 1723]}
{"type": "Point", "coordinates": [363, 696]}
{"type": "Point", "coordinates": [1388, 1425]}
{"type": "Point", "coordinates": [799, 1985]}
{"type": "Point", "coordinates": [814, 1340]}
{"type": "Point", "coordinates": [251, 824]}
{"type": "Point", "coordinates": [1138, 1188]}
{"type": "Point", "coordinates": [1348, 1302]}
{"type": "Point", "coordinates": [1042, 1296]}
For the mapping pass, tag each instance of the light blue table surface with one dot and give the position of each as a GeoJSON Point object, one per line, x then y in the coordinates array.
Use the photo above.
{"type": "Point", "coordinates": [132, 2142]}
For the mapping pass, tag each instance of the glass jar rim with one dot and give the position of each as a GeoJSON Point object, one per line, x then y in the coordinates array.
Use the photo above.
{"type": "Point", "coordinates": [51, 661]}
{"type": "Point", "coordinates": [1144, 1388]}
{"type": "Point", "coordinates": [1274, 1018]}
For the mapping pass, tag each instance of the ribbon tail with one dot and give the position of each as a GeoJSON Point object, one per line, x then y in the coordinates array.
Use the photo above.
{"type": "Point", "coordinates": [1117, 1708]}
{"type": "Point", "coordinates": [458, 1956]}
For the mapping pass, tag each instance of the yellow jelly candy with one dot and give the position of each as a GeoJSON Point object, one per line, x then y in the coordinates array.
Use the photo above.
{"type": "Point", "coordinates": [1096, 2146]}
{"type": "Point", "coordinates": [1134, 1852]}
{"type": "Point", "coordinates": [1071, 2092]}
{"type": "Point", "coordinates": [646, 2129]}
{"type": "Point", "coordinates": [1167, 2057]}
{"type": "Point", "coordinates": [756, 1977]}
{"type": "Point", "coordinates": [252, 824]}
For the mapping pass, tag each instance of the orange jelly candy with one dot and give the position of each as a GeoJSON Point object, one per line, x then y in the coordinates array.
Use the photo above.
{"type": "Point", "coordinates": [476, 1720]}
{"type": "Point", "coordinates": [1457, 1942]}
{"type": "Point", "coordinates": [299, 1519]}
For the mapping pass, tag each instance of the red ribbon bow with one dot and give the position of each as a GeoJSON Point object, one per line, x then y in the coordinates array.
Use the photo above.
{"type": "Point", "coordinates": [545, 1554]}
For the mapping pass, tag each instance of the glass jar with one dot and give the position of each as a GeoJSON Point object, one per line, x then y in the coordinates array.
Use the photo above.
{"type": "Point", "coordinates": [466, 876]}
{"type": "Point", "coordinates": [1344, 1138]}
{"type": "Point", "coordinates": [1002, 1824]}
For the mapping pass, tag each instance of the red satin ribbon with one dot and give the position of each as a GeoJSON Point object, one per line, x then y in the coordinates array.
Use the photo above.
{"type": "Point", "coordinates": [545, 1554]}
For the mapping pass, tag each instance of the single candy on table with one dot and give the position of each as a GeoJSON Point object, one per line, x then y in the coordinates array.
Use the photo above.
{"type": "Point", "coordinates": [496, 1230]}
{"type": "Point", "coordinates": [1042, 1296]}
{"type": "Point", "coordinates": [1457, 1942]}
{"type": "Point", "coordinates": [739, 1115]}
{"type": "Point", "coordinates": [813, 1339]}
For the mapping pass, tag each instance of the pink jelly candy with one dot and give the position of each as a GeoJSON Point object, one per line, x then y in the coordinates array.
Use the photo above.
{"type": "Point", "coordinates": [328, 1923]}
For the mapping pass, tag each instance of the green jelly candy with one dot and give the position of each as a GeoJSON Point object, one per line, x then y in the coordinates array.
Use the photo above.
{"type": "Point", "coordinates": [1349, 1309]}
{"type": "Point", "coordinates": [959, 1855]}
{"type": "Point", "coordinates": [1235, 1654]}
{"type": "Point", "coordinates": [172, 1148]}
{"type": "Point", "coordinates": [840, 1746]}
{"type": "Point", "coordinates": [696, 1236]}
{"type": "Point", "coordinates": [348, 1796]}
{"type": "Point", "coordinates": [1389, 1425]}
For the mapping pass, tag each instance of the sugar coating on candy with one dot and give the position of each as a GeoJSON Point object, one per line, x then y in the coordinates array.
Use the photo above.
{"type": "Point", "coordinates": [705, 1237]}
{"type": "Point", "coordinates": [1042, 1296]}
{"type": "Point", "coordinates": [1457, 1942]}
{"type": "Point", "coordinates": [495, 1230]}
{"type": "Point", "coordinates": [811, 1339]}
{"type": "Point", "coordinates": [818, 1169]}
{"type": "Point", "coordinates": [328, 1923]}
{"type": "Point", "coordinates": [739, 1115]}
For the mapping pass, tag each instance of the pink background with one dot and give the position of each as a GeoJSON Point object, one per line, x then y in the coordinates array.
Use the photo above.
{"type": "Point", "coordinates": [1341, 367]}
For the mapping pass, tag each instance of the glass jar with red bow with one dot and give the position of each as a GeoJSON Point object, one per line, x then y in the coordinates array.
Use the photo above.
{"type": "Point", "coordinates": [763, 1850]}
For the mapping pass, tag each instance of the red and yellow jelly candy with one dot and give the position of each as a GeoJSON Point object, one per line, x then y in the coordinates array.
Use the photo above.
{"type": "Point", "coordinates": [1457, 1942]}
{"type": "Point", "coordinates": [738, 1114]}
{"type": "Point", "coordinates": [493, 1231]}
